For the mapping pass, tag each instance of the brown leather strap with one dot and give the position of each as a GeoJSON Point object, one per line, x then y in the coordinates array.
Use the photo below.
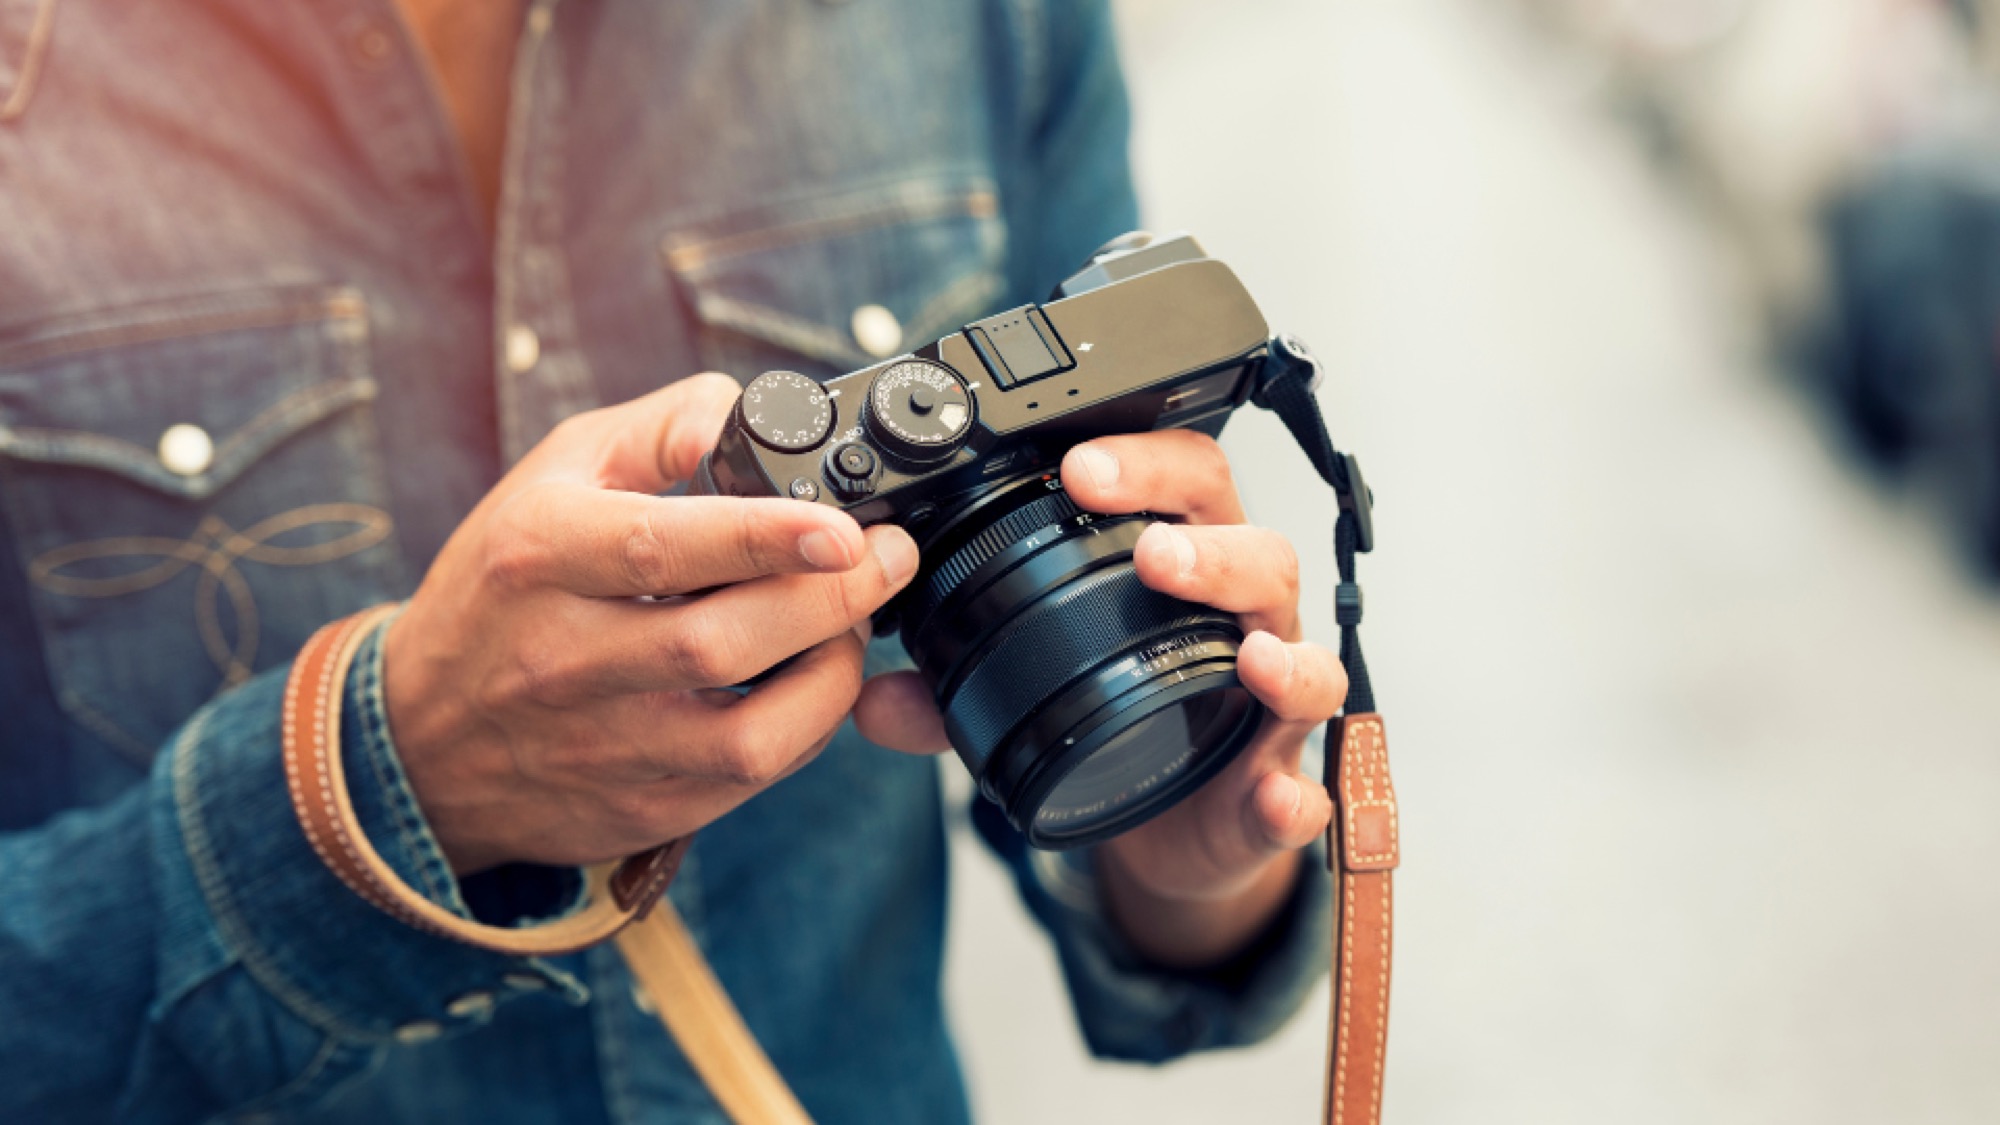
{"type": "Point", "coordinates": [618, 893]}
{"type": "Point", "coordinates": [1362, 849]}
{"type": "Point", "coordinates": [706, 1026]}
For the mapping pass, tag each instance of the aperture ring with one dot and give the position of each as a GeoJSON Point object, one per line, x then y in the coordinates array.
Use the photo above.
{"type": "Point", "coordinates": [1016, 525]}
{"type": "Point", "coordinates": [1053, 643]}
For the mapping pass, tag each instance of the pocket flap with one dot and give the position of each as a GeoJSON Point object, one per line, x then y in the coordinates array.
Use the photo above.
{"type": "Point", "coordinates": [794, 273]}
{"type": "Point", "coordinates": [183, 396]}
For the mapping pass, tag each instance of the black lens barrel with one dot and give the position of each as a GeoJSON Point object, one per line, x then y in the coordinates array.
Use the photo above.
{"type": "Point", "coordinates": [1041, 644]}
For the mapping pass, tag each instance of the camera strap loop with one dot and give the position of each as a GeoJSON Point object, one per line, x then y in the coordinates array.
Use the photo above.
{"type": "Point", "coordinates": [1363, 846]}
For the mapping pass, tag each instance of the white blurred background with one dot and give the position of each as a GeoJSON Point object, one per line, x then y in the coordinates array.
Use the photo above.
{"type": "Point", "coordinates": [1696, 722]}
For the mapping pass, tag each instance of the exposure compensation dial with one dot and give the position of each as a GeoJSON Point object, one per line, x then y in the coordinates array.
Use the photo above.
{"type": "Point", "coordinates": [919, 411]}
{"type": "Point", "coordinates": [785, 411]}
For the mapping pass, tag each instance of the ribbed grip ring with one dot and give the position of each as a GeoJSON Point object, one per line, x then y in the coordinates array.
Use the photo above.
{"type": "Point", "coordinates": [1008, 530]}
{"type": "Point", "coordinates": [1055, 642]}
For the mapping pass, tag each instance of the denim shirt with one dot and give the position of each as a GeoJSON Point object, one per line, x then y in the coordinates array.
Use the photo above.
{"type": "Point", "coordinates": [259, 353]}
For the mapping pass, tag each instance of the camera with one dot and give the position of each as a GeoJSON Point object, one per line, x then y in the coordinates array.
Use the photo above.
{"type": "Point", "coordinates": [1082, 702]}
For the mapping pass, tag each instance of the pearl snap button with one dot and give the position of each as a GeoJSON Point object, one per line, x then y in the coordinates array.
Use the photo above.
{"type": "Point", "coordinates": [472, 1005]}
{"type": "Point", "coordinates": [877, 330]}
{"type": "Point", "coordinates": [524, 348]}
{"type": "Point", "coordinates": [419, 1031]}
{"type": "Point", "coordinates": [186, 450]}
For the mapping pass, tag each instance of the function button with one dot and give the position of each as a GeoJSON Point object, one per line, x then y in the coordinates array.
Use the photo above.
{"type": "Point", "coordinates": [186, 450]}
{"type": "Point", "coordinates": [804, 489]}
{"type": "Point", "coordinates": [524, 349]}
{"type": "Point", "coordinates": [877, 331]}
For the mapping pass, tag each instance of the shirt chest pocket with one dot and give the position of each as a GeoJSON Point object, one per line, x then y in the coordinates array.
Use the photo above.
{"type": "Point", "coordinates": [192, 488]}
{"type": "Point", "coordinates": [831, 283]}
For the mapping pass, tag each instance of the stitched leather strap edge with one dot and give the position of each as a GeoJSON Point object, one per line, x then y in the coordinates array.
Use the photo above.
{"type": "Point", "coordinates": [617, 893]}
{"type": "Point", "coordinates": [1363, 842]}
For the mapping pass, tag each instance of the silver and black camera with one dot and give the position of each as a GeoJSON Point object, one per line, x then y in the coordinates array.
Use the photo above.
{"type": "Point", "coordinates": [1083, 702]}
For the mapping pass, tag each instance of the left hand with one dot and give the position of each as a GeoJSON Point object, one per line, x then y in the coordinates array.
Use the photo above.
{"type": "Point", "coordinates": [1224, 840]}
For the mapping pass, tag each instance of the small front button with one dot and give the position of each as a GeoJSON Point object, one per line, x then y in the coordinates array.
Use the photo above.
{"type": "Point", "coordinates": [524, 348]}
{"type": "Point", "coordinates": [803, 489]}
{"type": "Point", "coordinates": [877, 330]}
{"type": "Point", "coordinates": [186, 450]}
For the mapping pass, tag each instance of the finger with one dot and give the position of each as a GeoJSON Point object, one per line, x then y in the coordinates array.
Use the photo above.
{"type": "Point", "coordinates": [1300, 683]}
{"type": "Point", "coordinates": [733, 634]}
{"type": "Point", "coordinates": [652, 443]}
{"type": "Point", "coordinates": [1286, 811]}
{"type": "Point", "coordinates": [601, 543]}
{"type": "Point", "coordinates": [896, 710]}
{"type": "Point", "coordinates": [1174, 472]}
{"type": "Point", "coordinates": [1234, 567]}
{"type": "Point", "coordinates": [754, 740]}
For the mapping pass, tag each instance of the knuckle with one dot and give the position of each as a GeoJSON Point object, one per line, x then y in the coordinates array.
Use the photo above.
{"type": "Point", "coordinates": [706, 649]}
{"type": "Point", "coordinates": [749, 757]}
{"type": "Point", "coordinates": [515, 556]}
{"type": "Point", "coordinates": [1285, 563]}
{"type": "Point", "coordinates": [645, 556]}
{"type": "Point", "coordinates": [750, 541]}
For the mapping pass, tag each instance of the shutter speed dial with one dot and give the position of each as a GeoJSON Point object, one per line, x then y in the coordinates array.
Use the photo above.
{"type": "Point", "coordinates": [919, 411]}
{"type": "Point", "coordinates": [785, 411]}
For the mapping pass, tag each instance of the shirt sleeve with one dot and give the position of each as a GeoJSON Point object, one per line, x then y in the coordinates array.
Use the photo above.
{"type": "Point", "coordinates": [1134, 1010]}
{"type": "Point", "coordinates": [181, 952]}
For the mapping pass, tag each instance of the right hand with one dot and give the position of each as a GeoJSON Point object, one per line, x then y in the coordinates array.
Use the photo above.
{"type": "Point", "coordinates": [546, 714]}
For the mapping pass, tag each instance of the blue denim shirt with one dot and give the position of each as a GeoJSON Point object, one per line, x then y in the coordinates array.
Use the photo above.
{"type": "Point", "coordinates": [259, 353]}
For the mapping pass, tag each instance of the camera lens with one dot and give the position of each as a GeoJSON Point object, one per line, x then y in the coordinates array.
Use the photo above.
{"type": "Point", "coordinates": [1083, 702]}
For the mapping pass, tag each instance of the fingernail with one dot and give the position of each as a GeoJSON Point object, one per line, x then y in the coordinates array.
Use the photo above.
{"type": "Point", "coordinates": [1297, 794]}
{"type": "Point", "coordinates": [825, 550]}
{"type": "Point", "coordinates": [1183, 549]}
{"type": "Point", "coordinates": [1099, 466]}
{"type": "Point", "coordinates": [897, 554]}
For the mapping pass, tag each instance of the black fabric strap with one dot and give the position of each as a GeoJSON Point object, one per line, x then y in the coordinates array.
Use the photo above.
{"type": "Point", "coordinates": [1288, 384]}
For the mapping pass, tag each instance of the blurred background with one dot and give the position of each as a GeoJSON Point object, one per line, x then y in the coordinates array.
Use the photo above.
{"type": "Point", "coordinates": [1667, 332]}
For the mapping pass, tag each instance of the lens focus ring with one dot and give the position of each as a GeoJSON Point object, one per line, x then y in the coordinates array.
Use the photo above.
{"type": "Point", "coordinates": [1101, 617]}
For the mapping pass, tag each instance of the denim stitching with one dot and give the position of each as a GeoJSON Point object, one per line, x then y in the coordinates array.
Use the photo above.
{"type": "Point", "coordinates": [783, 329]}
{"type": "Point", "coordinates": [417, 841]}
{"type": "Point", "coordinates": [908, 202]}
{"type": "Point", "coordinates": [260, 963]}
{"type": "Point", "coordinates": [252, 440]}
{"type": "Point", "coordinates": [231, 312]}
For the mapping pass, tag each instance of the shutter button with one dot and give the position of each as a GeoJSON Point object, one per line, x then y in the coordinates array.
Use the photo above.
{"type": "Point", "coordinates": [877, 330]}
{"type": "Point", "coordinates": [186, 451]}
{"type": "Point", "coordinates": [524, 349]}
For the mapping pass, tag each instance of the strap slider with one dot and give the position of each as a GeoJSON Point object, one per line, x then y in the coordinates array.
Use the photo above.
{"type": "Point", "coordinates": [1347, 604]}
{"type": "Point", "coordinates": [1358, 498]}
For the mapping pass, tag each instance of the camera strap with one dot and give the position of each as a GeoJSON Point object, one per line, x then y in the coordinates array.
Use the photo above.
{"type": "Point", "coordinates": [1362, 842]}
{"type": "Point", "coordinates": [626, 900]}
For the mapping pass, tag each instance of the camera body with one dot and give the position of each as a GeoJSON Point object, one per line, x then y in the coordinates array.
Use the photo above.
{"type": "Point", "coordinates": [1083, 702]}
{"type": "Point", "coordinates": [1150, 336]}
